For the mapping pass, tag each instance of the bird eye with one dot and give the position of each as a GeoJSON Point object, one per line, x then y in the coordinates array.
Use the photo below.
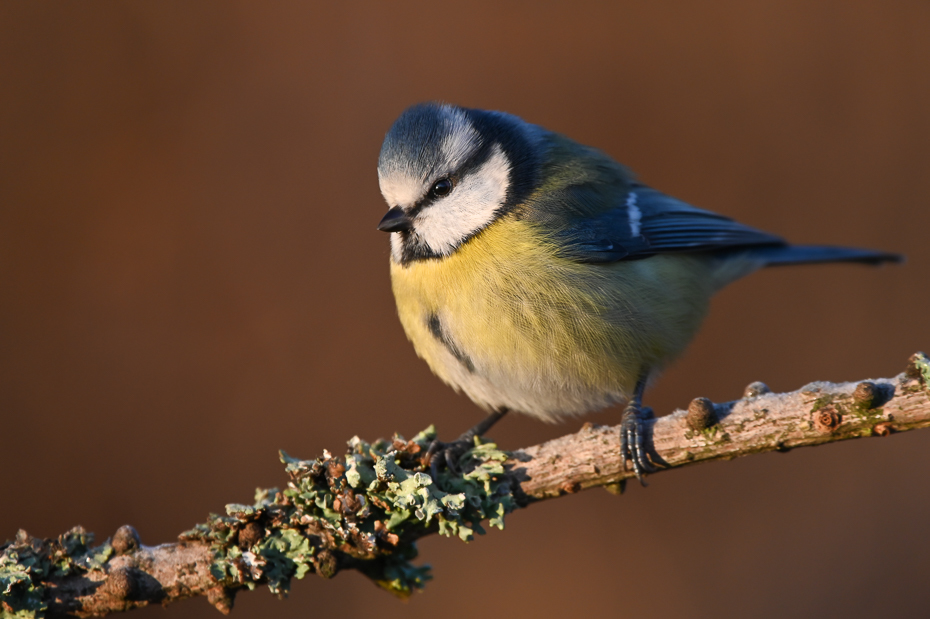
{"type": "Point", "coordinates": [442, 187]}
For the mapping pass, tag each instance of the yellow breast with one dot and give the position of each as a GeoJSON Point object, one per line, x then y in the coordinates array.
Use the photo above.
{"type": "Point", "coordinates": [511, 323]}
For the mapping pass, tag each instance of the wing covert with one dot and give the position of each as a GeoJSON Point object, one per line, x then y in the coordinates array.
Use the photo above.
{"type": "Point", "coordinates": [650, 222]}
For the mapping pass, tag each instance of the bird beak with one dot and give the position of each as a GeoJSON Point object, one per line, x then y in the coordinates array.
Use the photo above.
{"type": "Point", "coordinates": [395, 220]}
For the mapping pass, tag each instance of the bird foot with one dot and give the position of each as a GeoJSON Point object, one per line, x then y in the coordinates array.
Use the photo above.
{"type": "Point", "coordinates": [441, 454]}
{"type": "Point", "coordinates": [449, 454]}
{"type": "Point", "coordinates": [631, 440]}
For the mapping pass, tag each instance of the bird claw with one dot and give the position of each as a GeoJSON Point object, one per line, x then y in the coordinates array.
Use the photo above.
{"type": "Point", "coordinates": [446, 454]}
{"type": "Point", "coordinates": [450, 453]}
{"type": "Point", "coordinates": [631, 441]}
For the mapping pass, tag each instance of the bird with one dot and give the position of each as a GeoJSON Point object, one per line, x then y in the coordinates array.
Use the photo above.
{"type": "Point", "coordinates": [538, 275]}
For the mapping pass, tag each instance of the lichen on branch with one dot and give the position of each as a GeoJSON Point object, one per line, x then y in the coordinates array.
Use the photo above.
{"type": "Point", "coordinates": [362, 510]}
{"type": "Point", "coordinates": [28, 564]}
{"type": "Point", "coordinates": [366, 509]}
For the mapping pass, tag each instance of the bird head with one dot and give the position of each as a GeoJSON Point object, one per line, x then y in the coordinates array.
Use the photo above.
{"type": "Point", "coordinates": [448, 172]}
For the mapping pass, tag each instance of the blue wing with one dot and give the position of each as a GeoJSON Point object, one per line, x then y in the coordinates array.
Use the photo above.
{"type": "Point", "coordinates": [649, 223]}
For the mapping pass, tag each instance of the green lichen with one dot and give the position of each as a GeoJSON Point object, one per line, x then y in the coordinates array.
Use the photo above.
{"type": "Point", "coordinates": [26, 564]}
{"type": "Point", "coordinates": [921, 365]}
{"type": "Point", "coordinates": [710, 434]}
{"type": "Point", "coordinates": [371, 504]}
{"type": "Point", "coordinates": [363, 510]}
{"type": "Point", "coordinates": [826, 401]}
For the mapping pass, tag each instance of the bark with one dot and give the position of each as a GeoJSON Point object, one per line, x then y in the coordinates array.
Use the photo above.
{"type": "Point", "coordinates": [816, 414]}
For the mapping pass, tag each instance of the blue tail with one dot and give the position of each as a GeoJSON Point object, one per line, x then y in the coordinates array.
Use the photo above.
{"type": "Point", "coordinates": [812, 254]}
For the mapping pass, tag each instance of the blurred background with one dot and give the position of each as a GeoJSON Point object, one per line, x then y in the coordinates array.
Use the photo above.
{"type": "Point", "coordinates": [190, 279]}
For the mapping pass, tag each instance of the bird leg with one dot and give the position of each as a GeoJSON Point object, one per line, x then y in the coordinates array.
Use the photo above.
{"type": "Point", "coordinates": [631, 433]}
{"type": "Point", "coordinates": [449, 453]}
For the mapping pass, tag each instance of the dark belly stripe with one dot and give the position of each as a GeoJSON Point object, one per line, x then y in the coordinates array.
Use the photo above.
{"type": "Point", "coordinates": [435, 327]}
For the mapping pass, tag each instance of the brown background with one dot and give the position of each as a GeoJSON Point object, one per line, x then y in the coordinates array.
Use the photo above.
{"type": "Point", "coordinates": [191, 279]}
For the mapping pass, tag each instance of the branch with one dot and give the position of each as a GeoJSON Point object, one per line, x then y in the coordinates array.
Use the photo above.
{"type": "Point", "coordinates": [818, 413]}
{"type": "Point", "coordinates": [366, 509]}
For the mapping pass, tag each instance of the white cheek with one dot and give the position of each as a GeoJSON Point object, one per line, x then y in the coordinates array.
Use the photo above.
{"type": "Point", "coordinates": [469, 208]}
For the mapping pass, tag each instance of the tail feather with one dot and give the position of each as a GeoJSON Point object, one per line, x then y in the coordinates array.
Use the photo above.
{"type": "Point", "coordinates": [812, 254]}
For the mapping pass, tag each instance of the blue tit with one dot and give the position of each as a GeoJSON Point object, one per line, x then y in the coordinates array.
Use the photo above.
{"type": "Point", "coordinates": [537, 275]}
